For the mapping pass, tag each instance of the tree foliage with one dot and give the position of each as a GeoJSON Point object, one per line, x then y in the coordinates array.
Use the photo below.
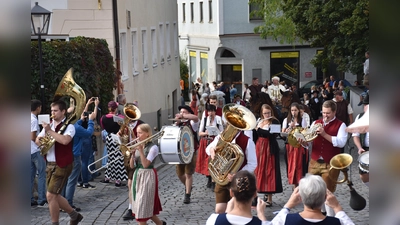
{"type": "Point", "coordinates": [184, 71]}
{"type": "Point", "coordinates": [93, 67]}
{"type": "Point", "coordinates": [340, 27]}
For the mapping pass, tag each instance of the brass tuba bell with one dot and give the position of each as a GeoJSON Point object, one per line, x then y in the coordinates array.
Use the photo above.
{"type": "Point", "coordinates": [66, 87]}
{"type": "Point", "coordinates": [132, 113]}
{"type": "Point", "coordinates": [341, 162]}
{"type": "Point", "coordinates": [229, 156]}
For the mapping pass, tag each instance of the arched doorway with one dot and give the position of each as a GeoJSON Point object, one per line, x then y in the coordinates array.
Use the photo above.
{"type": "Point", "coordinates": [230, 66]}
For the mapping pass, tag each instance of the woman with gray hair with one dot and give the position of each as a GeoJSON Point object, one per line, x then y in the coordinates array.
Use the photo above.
{"type": "Point", "coordinates": [313, 193]}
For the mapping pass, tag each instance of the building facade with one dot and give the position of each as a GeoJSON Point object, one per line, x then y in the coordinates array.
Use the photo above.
{"type": "Point", "coordinates": [217, 37]}
{"type": "Point", "coordinates": [148, 46]}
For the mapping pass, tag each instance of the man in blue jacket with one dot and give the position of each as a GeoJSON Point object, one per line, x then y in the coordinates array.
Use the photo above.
{"type": "Point", "coordinates": [81, 134]}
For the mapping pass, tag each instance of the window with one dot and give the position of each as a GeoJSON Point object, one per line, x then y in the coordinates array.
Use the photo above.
{"type": "Point", "coordinates": [176, 45]}
{"type": "Point", "coordinates": [201, 12]}
{"type": "Point", "coordinates": [161, 45]}
{"type": "Point", "coordinates": [168, 37]}
{"type": "Point", "coordinates": [184, 12]}
{"type": "Point", "coordinates": [285, 65]}
{"type": "Point", "coordinates": [192, 12]}
{"type": "Point", "coordinates": [144, 50]}
{"type": "Point", "coordinates": [154, 47]}
{"type": "Point", "coordinates": [124, 57]}
{"type": "Point", "coordinates": [253, 11]}
{"type": "Point", "coordinates": [134, 53]}
{"type": "Point", "coordinates": [210, 17]}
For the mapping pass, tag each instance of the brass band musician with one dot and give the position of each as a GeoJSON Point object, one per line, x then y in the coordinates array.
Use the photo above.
{"type": "Point", "coordinates": [274, 90]}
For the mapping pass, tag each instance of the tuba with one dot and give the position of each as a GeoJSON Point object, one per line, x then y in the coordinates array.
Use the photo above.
{"type": "Point", "coordinates": [229, 156]}
{"type": "Point", "coordinates": [132, 113]}
{"type": "Point", "coordinates": [309, 134]}
{"type": "Point", "coordinates": [67, 87]}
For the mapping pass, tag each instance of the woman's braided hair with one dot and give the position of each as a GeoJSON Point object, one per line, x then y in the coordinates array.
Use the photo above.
{"type": "Point", "coordinates": [243, 186]}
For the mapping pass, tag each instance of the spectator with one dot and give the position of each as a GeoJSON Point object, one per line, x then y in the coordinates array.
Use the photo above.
{"type": "Point", "coordinates": [344, 110]}
{"type": "Point", "coordinates": [232, 92]}
{"type": "Point", "coordinates": [121, 102]}
{"type": "Point", "coordinates": [332, 79]}
{"type": "Point", "coordinates": [312, 192]}
{"type": "Point", "coordinates": [366, 66]}
{"type": "Point", "coordinates": [243, 189]}
{"type": "Point", "coordinates": [246, 93]}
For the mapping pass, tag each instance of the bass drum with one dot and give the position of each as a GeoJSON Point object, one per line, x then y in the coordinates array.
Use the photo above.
{"type": "Point", "coordinates": [363, 161]}
{"type": "Point", "coordinates": [176, 145]}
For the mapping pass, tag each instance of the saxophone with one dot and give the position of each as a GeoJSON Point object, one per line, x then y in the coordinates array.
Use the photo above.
{"type": "Point", "coordinates": [229, 156]}
{"type": "Point", "coordinates": [67, 87]}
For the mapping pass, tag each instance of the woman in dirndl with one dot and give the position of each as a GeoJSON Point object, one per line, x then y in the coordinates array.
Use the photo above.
{"type": "Point", "coordinates": [211, 119]}
{"type": "Point", "coordinates": [146, 201]}
{"type": "Point", "coordinates": [296, 158]}
{"type": "Point", "coordinates": [115, 169]}
{"type": "Point", "coordinates": [268, 171]}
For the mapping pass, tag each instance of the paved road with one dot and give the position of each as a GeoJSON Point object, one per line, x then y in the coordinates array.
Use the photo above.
{"type": "Point", "coordinates": [107, 203]}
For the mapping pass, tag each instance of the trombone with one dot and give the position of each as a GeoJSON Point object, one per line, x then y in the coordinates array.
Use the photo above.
{"type": "Point", "coordinates": [127, 148]}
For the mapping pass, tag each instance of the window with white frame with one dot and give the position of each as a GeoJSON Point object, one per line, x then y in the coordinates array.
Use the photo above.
{"type": "Point", "coordinates": [168, 39]}
{"type": "Point", "coordinates": [144, 50]}
{"type": "Point", "coordinates": [176, 45]}
{"type": "Point", "coordinates": [183, 12]}
{"type": "Point", "coordinates": [210, 17]}
{"type": "Point", "coordinates": [192, 12]}
{"type": "Point", "coordinates": [161, 41]}
{"type": "Point", "coordinates": [153, 47]}
{"type": "Point", "coordinates": [201, 11]}
{"type": "Point", "coordinates": [124, 57]}
{"type": "Point", "coordinates": [135, 53]}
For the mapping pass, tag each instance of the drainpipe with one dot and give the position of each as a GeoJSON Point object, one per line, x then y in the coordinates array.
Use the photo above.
{"type": "Point", "coordinates": [116, 39]}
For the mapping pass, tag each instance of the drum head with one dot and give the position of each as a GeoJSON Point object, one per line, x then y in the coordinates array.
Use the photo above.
{"type": "Point", "coordinates": [364, 158]}
{"type": "Point", "coordinates": [186, 145]}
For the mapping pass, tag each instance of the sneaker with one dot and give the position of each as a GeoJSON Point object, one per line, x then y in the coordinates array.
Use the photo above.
{"type": "Point", "coordinates": [128, 215]}
{"type": "Point", "coordinates": [79, 185]}
{"type": "Point", "coordinates": [88, 186]}
{"type": "Point", "coordinates": [78, 219]}
{"type": "Point", "coordinates": [43, 205]}
{"type": "Point", "coordinates": [34, 203]}
{"type": "Point", "coordinates": [186, 200]}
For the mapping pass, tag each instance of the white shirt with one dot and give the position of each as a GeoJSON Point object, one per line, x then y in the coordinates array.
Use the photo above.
{"type": "Point", "coordinates": [51, 154]}
{"type": "Point", "coordinates": [217, 120]}
{"type": "Point", "coordinates": [274, 91]}
{"type": "Point", "coordinates": [222, 117]}
{"type": "Point", "coordinates": [366, 67]}
{"type": "Point", "coordinates": [306, 117]}
{"type": "Point", "coordinates": [285, 123]}
{"type": "Point", "coordinates": [153, 153]}
{"type": "Point", "coordinates": [250, 153]}
{"type": "Point", "coordinates": [246, 95]}
{"type": "Point", "coordinates": [341, 138]}
{"type": "Point", "coordinates": [232, 219]}
{"type": "Point", "coordinates": [366, 144]}
{"type": "Point", "coordinates": [34, 128]}
{"type": "Point", "coordinates": [281, 218]}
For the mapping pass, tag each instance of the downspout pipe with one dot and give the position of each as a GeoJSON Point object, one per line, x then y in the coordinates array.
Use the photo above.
{"type": "Point", "coordinates": [116, 39]}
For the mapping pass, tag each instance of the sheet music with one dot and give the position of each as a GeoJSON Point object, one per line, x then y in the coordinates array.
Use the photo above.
{"type": "Point", "coordinates": [43, 118]}
{"type": "Point", "coordinates": [298, 135]}
{"type": "Point", "coordinates": [275, 128]}
{"type": "Point", "coordinates": [212, 130]}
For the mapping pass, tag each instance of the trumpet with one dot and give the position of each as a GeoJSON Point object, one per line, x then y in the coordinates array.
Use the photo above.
{"type": "Point", "coordinates": [127, 149]}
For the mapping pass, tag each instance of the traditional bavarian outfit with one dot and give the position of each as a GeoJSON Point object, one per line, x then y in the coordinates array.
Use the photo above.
{"type": "Point", "coordinates": [249, 163]}
{"type": "Point", "coordinates": [274, 92]}
{"type": "Point", "coordinates": [146, 201]}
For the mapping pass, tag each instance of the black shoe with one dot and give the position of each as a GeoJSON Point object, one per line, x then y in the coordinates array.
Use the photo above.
{"type": "Point", "coordinates": [76, 208]}
{"type": "Point", "coordinates": [119, 185]}
{"type": "Point", "coordinates": [323, 213]}
{"type": "Point", "coordinates": [105, 181]}
{"type": "Point", "coordinates": [79, 185]}
{"type": "Point", "coordinates": [128, 215]}
{"type": "Point", "coordinates": [163, 222]}
{"type": "Point", "coordinates": [88, 186]}
{"type": "Point", "coordinates": [186, 200]}
{"type": "Point", "coordinates": [34, 203]}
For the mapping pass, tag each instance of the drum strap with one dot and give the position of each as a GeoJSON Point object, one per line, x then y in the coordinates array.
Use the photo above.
{"type": "Point", "coordinates": [139, 166]}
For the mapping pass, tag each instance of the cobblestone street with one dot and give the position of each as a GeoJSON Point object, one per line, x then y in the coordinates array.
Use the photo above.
{"type": "Point", "coordinates": [106, 204]}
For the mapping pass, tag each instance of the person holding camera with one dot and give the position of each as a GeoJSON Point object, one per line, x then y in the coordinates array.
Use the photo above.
{"type": "Point", "coordinates": [82, 130]}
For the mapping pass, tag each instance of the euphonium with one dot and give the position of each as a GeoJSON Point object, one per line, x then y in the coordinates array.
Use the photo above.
{"type": "Point", "coordinates": [67, 87]}
{"type": "Point", "coordinates": [228, 156]}
{"type": "Point", "coordinates": [132, 113]}
{"type": "Point", "coordinates": [309, 134]}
